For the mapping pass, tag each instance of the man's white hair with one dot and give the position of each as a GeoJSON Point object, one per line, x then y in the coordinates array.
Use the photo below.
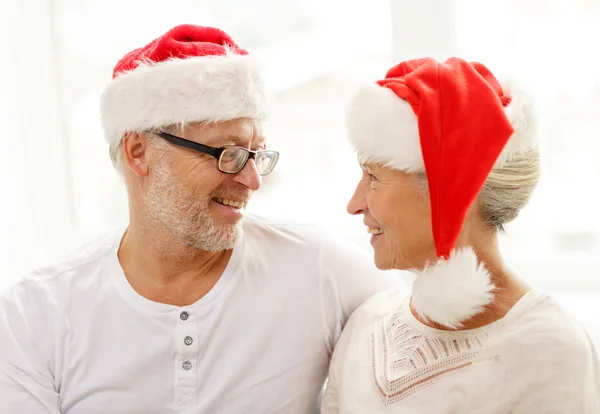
{"type": "Point", "coordinates": [115, 150]}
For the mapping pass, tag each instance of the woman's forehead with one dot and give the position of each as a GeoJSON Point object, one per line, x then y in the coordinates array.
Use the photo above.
{"type": "Point", "coordinates": [374, 167]}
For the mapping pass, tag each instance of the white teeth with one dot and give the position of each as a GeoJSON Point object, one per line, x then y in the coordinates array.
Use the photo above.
{"type": "Point", "coordinates": [231, 203]}
{"type": "Point", "coordinates": [375, 230]}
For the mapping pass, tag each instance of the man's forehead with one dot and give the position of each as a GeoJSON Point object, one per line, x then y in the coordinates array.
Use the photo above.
{"type": "Point", "coordinates": [239, 140]}
{"type": "Point", "coordinates": [243, 132]}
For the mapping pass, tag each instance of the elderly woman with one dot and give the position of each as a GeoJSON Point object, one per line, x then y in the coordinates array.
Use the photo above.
{"type": "Point", "coordinates": [449, 157]}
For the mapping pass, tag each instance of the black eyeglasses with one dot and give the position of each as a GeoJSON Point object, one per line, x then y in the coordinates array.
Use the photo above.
{"type": "Point", "coordinates": [230, 158]}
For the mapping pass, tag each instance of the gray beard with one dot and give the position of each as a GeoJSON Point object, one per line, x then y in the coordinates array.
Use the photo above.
{"type": "Point", "coordinates": [185, 217]}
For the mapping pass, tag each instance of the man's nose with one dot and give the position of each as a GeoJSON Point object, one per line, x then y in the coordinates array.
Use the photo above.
{"type": "Point", "coordinates": [249, 176]}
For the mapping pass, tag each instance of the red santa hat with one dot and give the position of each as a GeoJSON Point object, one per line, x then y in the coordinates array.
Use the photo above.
{"type": "Point", "coordinates": [189, 74]}
{"type": "Point", "coordinates": [456, 122]}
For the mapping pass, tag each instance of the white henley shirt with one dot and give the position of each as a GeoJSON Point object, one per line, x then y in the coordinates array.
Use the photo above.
{"type": "Point", "coordinates": [75, 338]}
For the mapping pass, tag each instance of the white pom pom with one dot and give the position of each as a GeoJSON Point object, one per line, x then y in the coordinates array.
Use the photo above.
{"type": "Point", "coordinates": [452, 291]}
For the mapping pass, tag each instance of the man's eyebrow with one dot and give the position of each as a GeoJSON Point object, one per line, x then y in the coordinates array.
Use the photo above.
{"type": "Point", "coordinates": [229, 139]}
{"type": "Point", "coordinates": [259, 144]}
{"type": "Point", "coordinates": [238, 140]}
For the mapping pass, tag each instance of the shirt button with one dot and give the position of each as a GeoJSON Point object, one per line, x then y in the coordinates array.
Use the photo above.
{"type": "Point", "coordinates": [187, 365]}
{"type": "Point", "coordinates": [188, 340]}
{"type": "Point", "coordinates": [184, 316]}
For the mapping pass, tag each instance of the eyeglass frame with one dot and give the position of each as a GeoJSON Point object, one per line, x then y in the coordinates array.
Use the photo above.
{"type": "Point", "coordinates": [216, 151]}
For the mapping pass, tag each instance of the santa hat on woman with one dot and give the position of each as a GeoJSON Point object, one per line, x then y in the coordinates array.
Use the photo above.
{"type": "Point", "coordinates": [189, 74]}
{"type": "Point", "coordinates": [456, 122]}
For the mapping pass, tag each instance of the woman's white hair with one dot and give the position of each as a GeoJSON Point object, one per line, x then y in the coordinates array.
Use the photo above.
{"type": "Point", "coordinates": [507, 189]}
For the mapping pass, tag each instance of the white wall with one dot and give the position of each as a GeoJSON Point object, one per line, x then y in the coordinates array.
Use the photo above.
{"type": "Point", "coordinates": [36, 206]}
{"type": "Point", "coordinates": [555, 243]}
{"type": "Point", "coordinates": [59, 187]}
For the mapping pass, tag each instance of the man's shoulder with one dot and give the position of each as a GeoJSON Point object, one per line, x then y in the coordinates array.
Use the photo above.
{"type": "Point", "coordinates": [308, 242]}
{"type": "Point", "coordinates": [286, 231]}
{"type": "Point", "coordinates": [280, 226]}
{"type": "Point", "coordinates": [79, 263]}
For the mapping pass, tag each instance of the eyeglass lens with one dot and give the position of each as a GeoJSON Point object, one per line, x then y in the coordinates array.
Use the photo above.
{"type": "Point", "coordinates": [232, 161]}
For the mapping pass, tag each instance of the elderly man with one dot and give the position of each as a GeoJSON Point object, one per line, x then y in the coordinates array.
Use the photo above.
{"type": "Point", "coordinates": [190, 309]}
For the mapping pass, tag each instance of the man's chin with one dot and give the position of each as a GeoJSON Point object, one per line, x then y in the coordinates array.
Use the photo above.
{"type": "Point", "coordinates": [226, 238]}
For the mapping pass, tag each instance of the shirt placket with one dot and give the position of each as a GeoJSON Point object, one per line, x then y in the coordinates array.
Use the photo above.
{"type": "Point", "coordinates": [186, 360]}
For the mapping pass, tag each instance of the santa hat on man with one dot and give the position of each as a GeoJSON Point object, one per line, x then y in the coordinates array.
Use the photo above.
{"type": "Point", "coordinates": [189, 74]}
{"type": "Point", "coordinates": [456, 122]}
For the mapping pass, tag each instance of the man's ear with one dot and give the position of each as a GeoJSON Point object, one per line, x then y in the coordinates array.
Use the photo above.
{"type": "Point", "coordinates": [135, 153]}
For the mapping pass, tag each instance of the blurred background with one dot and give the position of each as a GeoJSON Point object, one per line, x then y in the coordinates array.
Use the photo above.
{"type": "Point", "coordinates": [59, 188]}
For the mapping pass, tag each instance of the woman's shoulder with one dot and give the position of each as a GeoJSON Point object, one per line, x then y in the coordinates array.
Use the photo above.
{"type": "Point", "coordinates": [357, 330]}
{"type": "Point", "coordinates": [379, 305]}
{"type": "Point", "coordinates": [549, 360]}
{"type": "Point", "coordinates": [546, 328]}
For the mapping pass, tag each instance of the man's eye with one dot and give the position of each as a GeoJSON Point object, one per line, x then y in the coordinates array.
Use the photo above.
{"type": "Point", "coordinates": [372, 177]}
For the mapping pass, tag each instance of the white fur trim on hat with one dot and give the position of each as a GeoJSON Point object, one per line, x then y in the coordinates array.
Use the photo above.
{"type": "Point", "coordinates": [383, 128]}
{"type": "Point", "coordinates": [521, 114]}
{"type": "Point", "coordinates": [452, 291]}
{"type": "Point", "coordinates": [197, 89]}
